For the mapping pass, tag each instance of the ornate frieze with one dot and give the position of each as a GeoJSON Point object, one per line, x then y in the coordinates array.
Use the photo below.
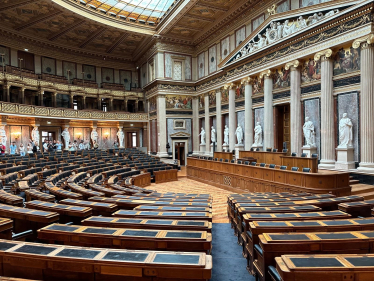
{"type": "Point", "coordinates": [311, 88]}
{"type": "Point", "coordinates": [258, 100]}
{"type": "Point", "coordinates": [347, 81]}
{"type": "Point", "coordinates": [281, 95]}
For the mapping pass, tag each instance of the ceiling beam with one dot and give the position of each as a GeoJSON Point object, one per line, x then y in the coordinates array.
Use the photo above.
{"type": "Point", "coordinates": [117, 42]}
{"type": "Point", "coordinates": [198, 18]}
{"type": "Point", "coordinates": [187, 27]}
{"type": "Point", "coordinates": [37, 19]}
{"type": "Point", "coordinates": [92, 37]}
{"type": "Point", "coordinates": [212, 7]}
{"type": "Point", "coordinates": [70, 27]}
{"type": "Point", "coordinates": [13, 4]}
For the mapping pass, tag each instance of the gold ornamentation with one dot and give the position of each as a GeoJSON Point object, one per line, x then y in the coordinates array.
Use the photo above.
{"type": "Point", "coordinates": [55, 112]}
{"type": "Point", "coordinates": [97, 115]}
{"type": "Point", "coordinates": [369, 39]}
{"type": "Point", "coordinates": [294, 64]}
{"type": "Point", "coordinates": [325, 53]}
{"type": "Point", "coordinates": [41, 111]}
{"type": "Point", "coordinates": [266, 74]}
{"type": "Point", "coordinates": [272, 10]}
{"type": "Point", "coordinates": [25, 109]}
{"type": "Point", "coordinates": [70, 113]}
{"type": "Point", "coordinates": [12, 108]}
{"type": "Point", "coordinates": [84, 114]}
{"type": "Point", "coordinates": [110, 115]}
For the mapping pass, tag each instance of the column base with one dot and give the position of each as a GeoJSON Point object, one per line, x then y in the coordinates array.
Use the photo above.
{"type": "Point", "coordinates": [210, 152]}
{"type": "Point", "coordinates": [238, 147]}
{"type": "Point", "coordinates": [225, 148]}
{"type": "Point", "coordinates": [366, 167]}
{"type": "Point", "coordinates": [196, 153]}
{"type": "Point", "coordinates": [202, 149]}
{"type": "Point", "coordinates": [162, 154]}
{"type": "Point", "coordinates": [327, 164]}
{"type": "Point", "coordinates": [257, 146]}
{"type": "Point", "coordinates": [309, 150]}
{"type": "Point", "coordinates": [345, 159]}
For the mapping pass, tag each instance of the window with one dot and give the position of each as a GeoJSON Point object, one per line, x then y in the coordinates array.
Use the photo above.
{"type": "Point", "coordinates": [47, 136]}
{"type": "Point", "coordinates": [177, 70]}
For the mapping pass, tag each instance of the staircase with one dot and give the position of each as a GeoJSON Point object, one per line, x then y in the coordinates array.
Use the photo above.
{"type": "Point", "coordinates": [364, 190]}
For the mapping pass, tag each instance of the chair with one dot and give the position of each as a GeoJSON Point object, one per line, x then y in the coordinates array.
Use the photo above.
{"type": "Point", "coordinates": [215, 159]}
{"type": "Point", "coordinates": [257, 149]}
{"type": "Point", "coordinates": [314, 155]}
{"type": "Point", "coordinates": [253, 163]}
{"type": "Point", "coordinates": [252, 149]}
{"type": "Point", "coordinates": [285, 150]}
{"type": "Point", "coordinates": [232, 161]}
{"type": "Point", "coordinates": [275, 150]}
{"type": "Point", "coordinates": [294, 154]}
{"type": "Point", "coordinates": [226, 160]}
{"type": "Point", "coordinates": [246, 162]}
{"type": "Point", "coordinates": [295, 169]}
{"type": "Point", "coordinates": [283, 167]}
{"type": "Point", "coordinates": [210, 158]}
{"type": "Point", "coordinates": [268, 149]}
{"type": "Point", "coordinates": [240, 162]}
{"type": "Point", "coordinates": [304, 154]}
{"type": "Point", "coordinates": [221, 160]}
{"type": "Point", "coordinates": [262, 165]}
{"type": "Point", "coordinates": [272, 166]}
{"type": "Point", "coordinates": [306, 170]}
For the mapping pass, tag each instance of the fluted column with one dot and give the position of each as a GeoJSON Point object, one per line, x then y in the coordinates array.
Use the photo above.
{"type": "Point", "coordinates": [327, 111]}
{"type": "Point", "coordinates": [367, 108]}
{"type": "Point", "coordinates": [40, 99]}
{"type": "Point", "coordinates": [268, 111]}
{"type": "Point", "coordinates": [84, 106]}
{"type": "Point", "coordinates": [195, 125]}
{"type": "Point", "coordinates": [207, 124]}
{"type": "Point", "coordinates": [54, 99]}
{"type": "Point", "coordinates": [71, 101]}
{"type": "Point", "coordinates": [218, 120]}
{"type": "Point", "coordinates": [248, 124]}
{"type": "Point", "coordinates": [232, 118]}
{"type": "Point", "coordinates": [110, 104]}
{"type": "Point", "coordinates": [22, 95]}
{"type": "Point", "coordinates": [295, 107]}
{"type": "Point", "coordinates": [161, 124]}
{"type": "Point", "coordinates": [125, 104]}
{"type": "Point", "coordinates": [99, 103]}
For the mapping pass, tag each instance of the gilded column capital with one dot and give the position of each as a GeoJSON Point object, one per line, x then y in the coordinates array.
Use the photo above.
{"type": "Point", "coordinates": [367, 39]}
{"type": "Point", "coordinates": [161, 96]}
{"type": "Point", "coordinates": [247, 81]}
{"type": "Point", "coordinates": [230, 86]}
{"type": "Point", "coordinates": [293, 65]}
{"type": "Point", "coordinates": [206, 94]}
{"type": "Point", "coordinates": [323, 55]}
{"type": "Point", "coordinates": [218, 91]}
{"type": "Point", "coordinates": [195, 97]}
{"type": "Point", "coordinates": [266, 74]}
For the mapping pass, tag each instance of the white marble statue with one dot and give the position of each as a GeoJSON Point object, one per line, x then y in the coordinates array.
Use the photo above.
{"type": "Point", "coordinates": [3, 137]}
{"type": "Point", "coordinates": [239, 134]}
{"type": "Point", "coordinates": [94, 135]}
{"type": "Point", "coordinates": [121, 137]}
{"type": "Point", "coordinates": [226, 136]}
{"type": "Point", "coordinates": [258, 135]}
{"type": "Point", "coordinates": [345, 132]}
{"type": "Point", "coordinates": [213, 135]}
{"type": "Point", "coordinates": [35, 135]}
{"type": "Point", "coordinates": [66, 135]}
{"type": "Point", "coordinates": [309, 133]}
{"type": "Point", "coordinates": [202, 136]}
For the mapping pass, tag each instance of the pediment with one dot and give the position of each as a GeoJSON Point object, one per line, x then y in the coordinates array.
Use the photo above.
{"type": "Point", "coordinates": [279, 28]}
{"type": "Point", "coordinates": [180, 135]}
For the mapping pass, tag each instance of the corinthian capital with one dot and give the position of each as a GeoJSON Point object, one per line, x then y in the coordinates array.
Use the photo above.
{"type": "Point", "coordinates": [290, 64]}
{"type": "Point", "coordinates": [325, 53]}
{"type": "Point", "coordinates": [369, 39]}
{"type": "Point", "coordinates": [247, 81]}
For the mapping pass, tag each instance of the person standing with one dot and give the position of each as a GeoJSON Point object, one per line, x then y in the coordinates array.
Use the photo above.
{"type": "Point", "coordinates": [81, 145]}
{"type": "Point", "coordinates": [13, 148]}
{"type": "Point", "coordinates": [22, 150]}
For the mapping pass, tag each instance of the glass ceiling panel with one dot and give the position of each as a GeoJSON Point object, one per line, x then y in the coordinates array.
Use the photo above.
{"type": "Point", "coordinates": [149, 10]}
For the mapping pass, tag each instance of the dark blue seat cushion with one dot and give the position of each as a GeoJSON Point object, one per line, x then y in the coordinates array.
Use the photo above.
{"type": "Point", "coordinates": [249, 233]}
{"type": "Point", "coordinates": [259, 249]}
{"type": "Point", "coordinates": [274, 273]}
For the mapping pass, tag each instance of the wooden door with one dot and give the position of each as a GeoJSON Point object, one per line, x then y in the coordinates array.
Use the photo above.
{"type": "Point", "coordinates": [287, 127]}
{"type": "Point", "coordinates": [179, 153]}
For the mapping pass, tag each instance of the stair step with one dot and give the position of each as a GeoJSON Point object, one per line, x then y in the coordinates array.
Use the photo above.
{"type": "Point", "coordinates": [358, 190]}
{"type": "Point", "coordinates": [368, 195]}
{"type": "Point", "coordinates": [351, 182]}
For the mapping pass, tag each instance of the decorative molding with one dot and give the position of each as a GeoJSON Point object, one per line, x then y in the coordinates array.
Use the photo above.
{"type": "Point", "coordinates": [291, 64]}
{"type": "Point", "coordinates": [325, 53]}
{"type": "Point", "coordinates": [347, 81]}
{"type": "Point", "coordinates": [266, 74]}
{"type": "Point", "coordinates": [272, 10]}
{"type": "Point", "coordinates": [369, 39]}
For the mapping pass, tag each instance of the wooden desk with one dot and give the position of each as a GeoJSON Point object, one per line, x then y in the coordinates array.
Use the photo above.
{"type": "Point", "coordinates": [173, 208]}
{"type": "Point", "coordinates": [142, 180]}
{"type": "Point", "coordinates": [243, 177]}
{"type": "Point", "coordinates": [166, 176]}
{"type": "Point", "coordinates": [355, 209]}
{"type": "Point", "coordinates": [166, 215]}
{"type": "Point", "coordinates": [223, 155]}
{"type": "Point", "coordinates": [38, 195]}
{"type": "Point", "coordinates": [86, 193]}
{"type": "Point", "coordinates": [103, 209]}
{"type": "Point", "coordinates": [102, 189]}
{"type": "Point", "coordinates": [6, 227]}
{"type": "Point", "coordinates": [264, 156]}
{"type": "Point", "coordinates": [301, 162]}
{"type": "Point", "coordinates": [121, 238]}
{"type": "Point", "coordinates": [56, 262]}
{"type": "Point", "coordinates": [148, 223]}
{"type": "Point", "coordinates": [10, 199]}
{"type": "Point", "coordinates": [165, 198]}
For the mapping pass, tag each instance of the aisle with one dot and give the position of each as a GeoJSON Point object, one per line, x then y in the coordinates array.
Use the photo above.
{"type": "Point", "coordinates": [228, 262]}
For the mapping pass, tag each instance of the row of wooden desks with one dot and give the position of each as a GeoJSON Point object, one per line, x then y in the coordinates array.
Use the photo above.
{"type": "Point", "coordinates": [120, 238]}
{"type": "Point", "coordinates": [56, 262]}
{"type": "Point", "coordinates": [167, 215]}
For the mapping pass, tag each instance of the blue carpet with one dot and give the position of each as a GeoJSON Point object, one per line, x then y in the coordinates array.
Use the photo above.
{"type": "Point", "coordinates": [228, 262]}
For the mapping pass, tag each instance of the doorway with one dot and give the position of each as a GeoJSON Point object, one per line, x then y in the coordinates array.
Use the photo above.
{"type": "Point", "coordinates": [179, 152]}
{"type": "Point", "coordinates": [131, 139]}
{"type": "Point", "coordinates": [282, 126]}
{"type": "Point", "coordinates": [48, 136]}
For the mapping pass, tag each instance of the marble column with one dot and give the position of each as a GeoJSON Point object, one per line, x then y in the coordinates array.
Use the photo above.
{"type": "Point", "coordinates": [207, 124]}
{"type": "Point", "coordinates": [232, 118]}
{"type": "Point", "coordinates": [268, 112]}
{"type": "Point", "coordinates": [125, 104]}
{"type": "Point", "coordinates": [84, 106]}
{"type": "Point", "coordinates": [99, 103]}
{"type": "Point", "coordinates": [248, 115]}
{"type": "Point", "coordinates": [195, 125]}
{"type": "Point", "coordinates": [161, 126]}
{"type": "Point", "coordinates": [218, 120]}
{"type": "Point", "coordinates": [54, 99]}
{"type": "Point", "coordinates": [110, 105]}
{"type": "Point", "coordinates": [367, 108]}
{"type": "Point", "coordinates": [145, 136]}
{"type": "Point", "coordinates": [22, 95]}
{"type": "Point", "coordinates": [71, 101]}
{"type": "Point", "coordinates": [40, 99]}
{"type": "Point", "coordinates": [327, 114]}
{"type": "Point", "coordinates": [295, 108]}
{"type": "Point", "coordinates": [136, 106]}
{"type": "Point", "coordinates": [7, 92]}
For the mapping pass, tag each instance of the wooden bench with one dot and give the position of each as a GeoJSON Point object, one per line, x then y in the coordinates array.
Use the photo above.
{"type": "Point", "coordinates": [172, 208]}
{"type": "Point", "coordinates": [103, 209]}
{"type": "Point", "coordinates": [107, 191]}
{"type": "Point", "coordinates": [356, 209]}
{"type": "Point", "coordinates": [142, 180]}
{"type": "Point", "coordinates": [86, 193]}
{"type": "Point", "coordinates": [10, 199]}
{"type": "Point", "coordinates": [120, 238]}
{"type": "Point", "coordinates": [67, 213]}
{"type": "Point", "coordinates": [148, 223]}
{"type": "Point", "coordinates": [56, 262]}
{"type": "Point", "coordinates": [167, 215]}
{"type": "Point", "coordinates": [32, 194]}
{"type": "Point", "coordinates": [6, 228]}
{"type": "Point", "coordinates": [165, 198]}
{"type": "Point", "coordinates": [276, 244]}
{"type": "Point", "coordinates": [166, 176]}
{"type": "Point", "coordinates": [61, 193]}
{"type": "Point", "coordinates": [323, 267]}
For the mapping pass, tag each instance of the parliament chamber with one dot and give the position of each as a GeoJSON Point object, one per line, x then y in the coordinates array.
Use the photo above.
{"type": "Point", "coordinates": [183, 140]}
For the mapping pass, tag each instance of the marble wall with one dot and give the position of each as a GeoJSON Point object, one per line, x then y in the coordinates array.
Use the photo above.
{"type": "Point", "coordinates": [348, 103]}
{"type": "Point", "coordinates": [89, 72]}
{"type": "Point", "coordinates": [239, 36]}
{"type": "Point", "coordinates": [225, 47]}
{"type": "Point", "coordinates": [257, 21]}
{"type": "Point", "coordinates": [259, 117]}
{"type": "Point", "coordinates": [212, 59]}
{"type": "Point", "coordinates": [72, 67]}
{"type": "Point", "coordinates": [283, 6]}
{"type": "Point", "coordinates": [154, 135]}
{"type": "Point", "coordinates": [6, 52]}
{"type": "Point", "coordinates": [312, 110]}
{"type": "Point", "coordinates": [107, 75]}
{"type": "Point", "coordinates": [240, 120]}
{"type": "Point", "coordinates": [48, 66]}
{"type": "Point", "coordinates": [201, 64]}
{"type": "Point", "coordinates": [171, 130]}
{"type": "Point", "coordinates": [169, 63]}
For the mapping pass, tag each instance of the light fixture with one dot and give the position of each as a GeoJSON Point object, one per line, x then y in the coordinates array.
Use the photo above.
{"type": "Point", "coordinates": [26, 50]}
{"type": "Point", "coordinates": [48, 122]}
{"type": "Point", "coordinates": [79, 135]}
{"type": "Point", "coordinates": [107, 135]}
{"type": "Point", "coordinates": [16, 135]}
{"type": "Point", "coordinates": [137, 67]}
{"type": "Point", "coordinates": [131, 125]}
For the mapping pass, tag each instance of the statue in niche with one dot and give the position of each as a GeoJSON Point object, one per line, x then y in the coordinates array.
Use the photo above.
{"type": "Point", "coordinates": [120, 136]}
{"type": "Point", "coordinates": [202, 136]}
{"type": "Point", "coordinates": [213, 135]}
{"type": "Point", "coordinates": [35, 135]}
{"type": "Point", "coordinates": [258, 135]}
{"type": "Point", "coordinates": [345, 132]}
{"type": "Point", "coordinates": [239, 134]}
{"type": "Point", "coordinates": [66, 135]}
{"type": "Point", "coordinates": [94, 135]}
{"type": "Point", "coordinates": [3, 137]}
{"type": "Point", "coordinates": [226, 136]}
{"type": "Point", "coordinates": [309, 133]}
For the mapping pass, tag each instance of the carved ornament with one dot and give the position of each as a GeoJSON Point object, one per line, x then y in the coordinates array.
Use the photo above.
{"type": "Point", "coordinates": [294, 64]}
{"type": "Point", "coordinates": [369, 39]}
{"type": "Point", "coordinates": [325, 53]}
